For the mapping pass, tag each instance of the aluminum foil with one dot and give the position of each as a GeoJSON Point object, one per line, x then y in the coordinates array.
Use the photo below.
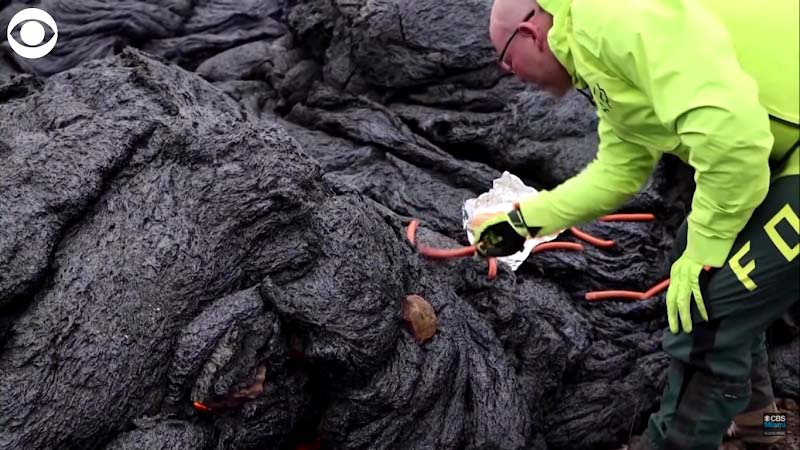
{"type": "Point", "coordinates": [505, 191]}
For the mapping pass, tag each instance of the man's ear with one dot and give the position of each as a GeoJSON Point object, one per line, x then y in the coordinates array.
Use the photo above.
{"type": "Point", "coordinates": [534, 32]}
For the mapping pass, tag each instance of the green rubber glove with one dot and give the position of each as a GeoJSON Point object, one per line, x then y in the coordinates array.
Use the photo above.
{"type": "Point", "coordinates": [683, 283]}
{"type": "Point", "coordinates": [500, 234]}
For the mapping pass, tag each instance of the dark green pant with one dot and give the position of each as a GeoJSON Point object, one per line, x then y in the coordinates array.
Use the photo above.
{"type": "Point", "coordinates": [720, 369]}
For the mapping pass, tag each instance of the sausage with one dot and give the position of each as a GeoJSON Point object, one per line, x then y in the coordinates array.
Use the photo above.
{"type": "Point", "coordinates": [584, 236]}
{"type": "Point", "coordinates": [604, 295]}
{"type": "Point", "coordinates": [630, 295]}
{"type": "Point", "coordinates": [655, 290]}
{"type": "Point", "coordinates": [643, 217]}
{"type": "Point", "coordinates": [546, 246]}
{"type": "Point", "coordinates": [411, 231]}
{"type": "Point", "coordinates": [446, 253]}
{"type": "Point", "coordinates": [201, 407]}
{"type": "Point", "coordinates": [492, 268]}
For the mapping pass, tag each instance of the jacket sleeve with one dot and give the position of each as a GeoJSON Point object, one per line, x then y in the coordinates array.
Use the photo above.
{"type": "Point", "coordinates": [682, 59]}
{"type": "Point", "coordinates": [619, 171]}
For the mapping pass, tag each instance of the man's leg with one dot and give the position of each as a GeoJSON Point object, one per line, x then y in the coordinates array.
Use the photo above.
{"type": "Point", "coordinates": [762, 395]}
{"type": "Point", "coordinates": [709, 378]}
{"type": "Point", "coordinates": [749, 425]}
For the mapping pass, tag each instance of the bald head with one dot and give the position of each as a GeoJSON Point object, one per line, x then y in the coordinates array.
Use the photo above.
{"type": "Point", "coordinates": [528, 54]}
{"type": "Point", "coordinates": [507, 14]}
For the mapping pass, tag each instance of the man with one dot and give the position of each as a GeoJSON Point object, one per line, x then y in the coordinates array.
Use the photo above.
{"type": "Point", "coordinates": [715, 83]}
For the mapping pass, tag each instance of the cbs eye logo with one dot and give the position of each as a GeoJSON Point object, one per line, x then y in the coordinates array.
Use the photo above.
{"type": "Point", "coordinates": [32, 33]}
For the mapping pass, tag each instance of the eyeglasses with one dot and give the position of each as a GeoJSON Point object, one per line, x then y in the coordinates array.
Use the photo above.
{"type": "Point", "coordinates": [501, 59]}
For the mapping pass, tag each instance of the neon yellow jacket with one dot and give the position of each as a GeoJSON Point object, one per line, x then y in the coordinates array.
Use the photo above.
{"type": "Point", "coordinates": [695, 78]}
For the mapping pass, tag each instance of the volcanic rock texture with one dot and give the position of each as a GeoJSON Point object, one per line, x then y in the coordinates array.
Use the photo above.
{"type": "Point", "coordinates": [202, 207]}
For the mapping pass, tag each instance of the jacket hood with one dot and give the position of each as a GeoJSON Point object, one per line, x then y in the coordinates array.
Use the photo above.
{"type": "Point", "coordinates": [553, 6]}
{"type": "Point", "coordinates": [558, 36]}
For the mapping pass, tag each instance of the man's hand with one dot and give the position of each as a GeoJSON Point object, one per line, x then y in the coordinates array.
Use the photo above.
{"type": "Point", "coordinates": [499, 234]}
{"type": "Point", "coordinates": [684, 281]}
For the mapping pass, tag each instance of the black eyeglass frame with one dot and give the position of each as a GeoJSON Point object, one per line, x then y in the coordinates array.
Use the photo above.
{"type": "Point", "coordinates": [511, 38]}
